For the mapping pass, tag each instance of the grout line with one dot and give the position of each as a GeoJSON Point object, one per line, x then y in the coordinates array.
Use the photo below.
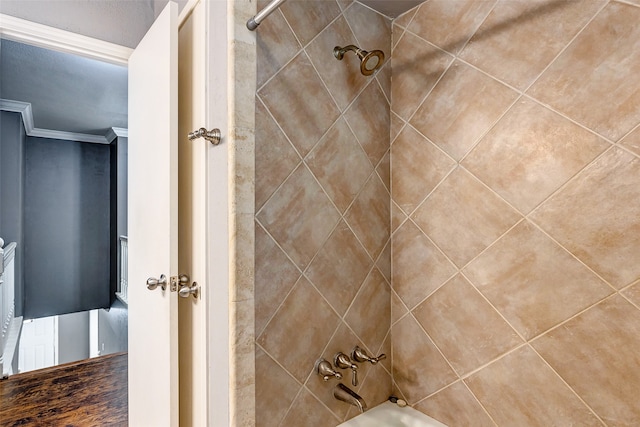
{"type": "Point", "coordinates": [575, 257]}
{"type": "Point", "coordinates": [576, 394]}
{"type": "Point", "coordinates": [277, 188]}
{"type": "Point", "coordinates": [566, 46]}
{"type": "Point", "coordinates": [479, 403]}
{"type": "Point", "coordinates": [410, 219]}
{"type": "Point", "coordinates": [514, 329]}
{"type": "Point", "coordinates": [455, 372]}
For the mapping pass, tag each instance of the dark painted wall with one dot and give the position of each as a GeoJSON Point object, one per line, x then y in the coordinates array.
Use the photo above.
{"type": "Point", "coordinates": [66, 227]}
{"type": "Point", "coordinates": [12, 176]}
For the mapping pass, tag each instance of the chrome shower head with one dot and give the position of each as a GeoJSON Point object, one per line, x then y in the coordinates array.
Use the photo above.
{"type": "Point", "coordinates": [369, 61]}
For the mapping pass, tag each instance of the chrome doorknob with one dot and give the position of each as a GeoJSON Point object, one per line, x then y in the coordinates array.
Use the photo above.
{"type": "Point", "coordinates": [153, 283]}
{"type": "Point", "coordinates": [213, 135]}
{"type": "Point", "coordinates": [186, 290]}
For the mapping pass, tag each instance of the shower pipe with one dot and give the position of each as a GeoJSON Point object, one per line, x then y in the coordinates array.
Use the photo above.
{"type": "Point", "coordinates": [253, 23]}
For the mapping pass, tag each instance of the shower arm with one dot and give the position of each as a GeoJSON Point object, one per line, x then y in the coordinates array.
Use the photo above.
{"type": "Point", "coordinates": [253, 23]}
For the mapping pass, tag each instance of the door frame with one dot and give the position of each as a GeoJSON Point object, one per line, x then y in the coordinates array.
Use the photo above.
{"type": "Point", "coordinates": [218, 342]}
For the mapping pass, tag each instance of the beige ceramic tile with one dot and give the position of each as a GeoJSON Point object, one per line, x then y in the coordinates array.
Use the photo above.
{"type": "Point", "coordinates": [417, 166]}
{"type": "Point", "coordinates": [340, 268]}
{"type": "Point", "coordinates": [632, 141]}
{"type": "Point", "coordinates": [633, 294]}
{"type": "Point", "coordinates": [530, 153]}
{"type": "Point", "coordinates": [294, 348]}
{"type": "Point", "coordinates": [340, 164]}
{"type": "Point", "coordinates": [449, 24]}
{"type": "Point", "coordinates": [419, 268]}
{"type": "Point", "coordinates": [467, 330]}
{"type": "Point", "coordinates": [597, 217]}
{"type": "Point", "coordinates": [384, 170]}
{"type": "Point", "coordinates": [275, 276]}
{"type": "Point", "coordinates": [383, 76]}
{"type": "Point", "coordinates": [344, 341]}
{"type": "Point", "coordinates": [368, 117]}
{"type": "Point", "coordinates": [396, 125]}
{"type": "Point", "coordinates": [605, 57]}
{"type": "Point", "coordinates": [416, 67]}
{"type": "Point", "coordinates": [309, 412]}
{"type": "Point", "coordinates": [397, 216]}
{"type": "Point", "coordinates": [369, 216]}
{"type": "Point", "coordinates": [275, 391]}
{"type": "Point", "coordinates": [384, 261]}
{"type": "Point", "coordinates": [343, 78]}
{"type": "Point", "coordinates": [300, 103]}
{"type": "Point", "coordinates": [370, 314]}
{"type": "Point", "coordinates": [455, 405]}
{"type": "Point", "coordinates": [344, 3]}
{"type": "Point", "coordinates": [242, 344]}
{"type": "Point", "coordinates": [534, 396]}
{"type": "Point", "coordinates": [275, 158]}
{"type": "Point", "coordinates": [276, 45]}
{"type": "Point", "coordinates": [461, 108]}
{"type": "Point", "coordinates": [418, 368]}
{"type": "Point", "coordinates": [598, 354]}
{"type": "Point", "coordinates": [300, 231]}
{"type": "Point", "coordinates": [308, 18]}
{"type": "Point", "coordinates": [404, 19]}
{"type": "Point", "coordinates": [372, 29]}
{"type": "Point", "coordinates": [396, 35]}
{"type": "Point", "coordinates": [520, 38]}
{"type": "Point", "coordinates": [533, 282]}
{"type": "Point", "coordinates": [386, 350]}
{"type": "Point", "coordinates": [463, 217]}
{"type": "Point", "coordinates": [398, 309]}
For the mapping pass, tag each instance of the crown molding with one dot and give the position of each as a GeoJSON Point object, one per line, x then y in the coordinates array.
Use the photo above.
{"type": "Point", "coordinates": [24, 31]}
{"type": "Point", "coordinates": [114, 133]}
{"type": "Point", "coordinates": [24, 108]}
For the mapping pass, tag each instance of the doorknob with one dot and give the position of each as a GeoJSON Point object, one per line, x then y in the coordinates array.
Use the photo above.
{"type": "Point", "coordinates": [153, 283]}
{"type": "Point", "coordinates": [213, 135]}
{"type": "Point", "coordinates": [186, 290]}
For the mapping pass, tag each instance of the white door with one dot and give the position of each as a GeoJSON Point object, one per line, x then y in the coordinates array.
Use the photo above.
{"type": "Point", "coordinates": [153, 224]}
{"type": "Point", "coordinates": [192, 211]}
{"type": "Point", "coordinates": [38, 344]}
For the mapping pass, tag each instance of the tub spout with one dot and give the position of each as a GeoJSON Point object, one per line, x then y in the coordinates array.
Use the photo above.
{"type": "Point", "coordinates": [344, 393]}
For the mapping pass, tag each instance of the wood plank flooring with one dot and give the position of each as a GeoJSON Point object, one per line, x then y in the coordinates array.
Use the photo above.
{"type": "Point", "coordinates": [88, 393]}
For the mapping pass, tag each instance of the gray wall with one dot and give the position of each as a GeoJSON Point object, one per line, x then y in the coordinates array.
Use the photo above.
{"type": "Point", "coordinates": [113, 329]}
{"type": "Point", "coordinates": [67, 227]}
{"type": "Point", "coordinates": [12, 176]}
{"type": "Point", "coordinates": [73, 337]}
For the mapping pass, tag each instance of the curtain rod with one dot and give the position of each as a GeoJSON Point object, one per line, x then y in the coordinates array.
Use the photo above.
{"type": "Point", "coordinates": [253, 23]}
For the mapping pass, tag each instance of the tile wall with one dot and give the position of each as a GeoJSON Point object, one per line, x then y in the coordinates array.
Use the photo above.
{"type": "Point", "coordinates": [515, 175]}
{"type": "Point", "coordinates": [322, 200]}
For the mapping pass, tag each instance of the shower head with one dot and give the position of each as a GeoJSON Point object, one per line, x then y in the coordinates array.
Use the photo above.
{"type": "Point", "coordinates": [369, 61]}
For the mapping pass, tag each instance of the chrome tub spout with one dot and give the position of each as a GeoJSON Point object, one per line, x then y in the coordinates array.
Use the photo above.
{"type": "Point", "coordinates": [344, 393]}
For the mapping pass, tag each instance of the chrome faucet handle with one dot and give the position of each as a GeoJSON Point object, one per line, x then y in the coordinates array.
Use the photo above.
{"type": "Point", "coordinates": [326, 371]}
{"type": "Point", "coordinates": [342, 361]}
{"type": "Point", "coordinates": [359, 355]}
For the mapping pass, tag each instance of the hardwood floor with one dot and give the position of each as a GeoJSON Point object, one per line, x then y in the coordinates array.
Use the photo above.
{"type": "Point", "coordinates": [88, 393]}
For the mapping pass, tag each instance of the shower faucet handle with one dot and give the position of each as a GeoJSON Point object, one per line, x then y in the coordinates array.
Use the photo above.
{"type": "Point", "coordinates": [342, 361]}
{"type": "Point", "coordinates": [326, 371]}
{"type": "Point", "coordinates": [359, 355]}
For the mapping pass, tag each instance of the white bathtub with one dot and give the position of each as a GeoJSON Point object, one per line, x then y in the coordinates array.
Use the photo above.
{"type": "Point", "coordinates": [391, 415]}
